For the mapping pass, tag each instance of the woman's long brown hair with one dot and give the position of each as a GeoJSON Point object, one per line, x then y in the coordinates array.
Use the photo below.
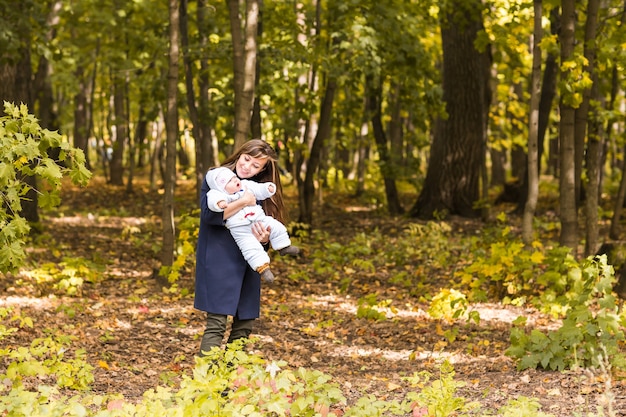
{"type": "Point", "coordinates": [258, 148]}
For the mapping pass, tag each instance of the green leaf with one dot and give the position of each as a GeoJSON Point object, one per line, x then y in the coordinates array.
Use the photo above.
{"type": "Point", "coordinates": [49, 199]}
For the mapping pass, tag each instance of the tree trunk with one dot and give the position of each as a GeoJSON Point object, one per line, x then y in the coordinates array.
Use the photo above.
{"type": "Point", "coordinates": [307, 192]}
{"type": "Point", "coordinates": [395, 128]}
{"type": "Point", "coordinates": [81, 113]}
{"type": "Point", "coordinates": [171, 126]}
{"type": "Point", "coordinates": [592, 127]}
{"type": "Point", "coordinates": [191, 93]}
{"type": "Point", "coordinates": [533, 128]}
{"type": "Point", "coordinates": [567, 178]}
{"type": "Point", "coordinates": [453, 176]}
{"type": "Point", "coordinates": [385, 161]}
{"type": "Point", "coordinates": [16, 87]}
{"type": "Point", "coordinates": [244, 64]}
{"type": "Point", "coordinates": [305, 125]}
{"type": "Point", "coordinates": [582, 111]}
{"type": "Point", "coordinates": [548, 91]}
{"type": "Point", "coordinates": [593, 157]}
{"type": "Point", "coordinates": [121, 134]}
{"type": "Point", "coordinates": [43, 93]}
{"type": "Point", "coordinates": [614, 231]}
{"type": "Point", "coordinates": [208, 149]}
{"type": "Point", "coordinates": [255, 119]}
{"type": "Point", "coordinates": [498, 170]}
{"type": "Point", "coordinates": [361, 154]}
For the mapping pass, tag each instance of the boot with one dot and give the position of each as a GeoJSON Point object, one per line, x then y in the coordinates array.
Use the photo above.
{"type": "Point", "coordinates": [290, 250]}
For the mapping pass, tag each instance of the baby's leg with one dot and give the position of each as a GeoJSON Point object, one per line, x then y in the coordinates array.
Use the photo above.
{"type": "Point", "coordinates": [279, 237]}
{"type": "Point", "coordinates": [253, 252]}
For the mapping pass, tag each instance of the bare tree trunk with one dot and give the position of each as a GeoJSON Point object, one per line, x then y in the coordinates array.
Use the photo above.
{"type": "Point", "coordinates": [582, 112]}
{"type": "Point", "coordinates": [614, 231]}
{"type": "Point", "coordinates": [121, 134]}
{"type": "Point", "coordinates": [305, 126]}
{"type": "Point", "coordinates": [255, 119]}
{"type": "Point", "coordinates": [452, 184]}
{"type": "Point", "coordinates": [207, 146]}
{"type": "Point", "coordinates": [548, 91]}
{"type": "Point", "coordinates": [498, 171]}
{"type": "Point", "coordinates": [308, 187]}
{"type": "Point", "coordinates": [191, 93]}
{"type": "Point", "coordinates": [593, 156]}
{"type": "Point", "coordinates": [385, 160]}
{"type": "Point", "coordinates": [42, 87]}
{"type": "Point", "coordinates": [592, 127]}
{"type": "Point", "coordinates": [361, 153]}
{"type": "Point", "coordinates": [16, 87]}
{"type": "Point", "coordinates": [533, 128]}
{"type": "Point", "coordinates": [395, 127]}
{"type": "Point", "coordinates": [155, 159]}
{"type": "Point", "coordinates": [244, 64]}
{"type": "Point", "coordinates": [81, 113]}
{"type": "Point", "coordinates": [567, 178]}
{"type": "Point", "coordinates": [171, 126]}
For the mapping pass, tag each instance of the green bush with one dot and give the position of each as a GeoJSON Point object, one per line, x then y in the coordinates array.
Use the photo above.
{"type": "Point", "coordinates": [591, 332]}
{"type": "Point", "coordinates": [24, 149]}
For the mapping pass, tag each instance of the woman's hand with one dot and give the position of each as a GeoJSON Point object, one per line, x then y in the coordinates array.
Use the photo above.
{"type": "Point", "coordinates": [247, 199]}
{"type": "Point", "coordinates": [261, 232]}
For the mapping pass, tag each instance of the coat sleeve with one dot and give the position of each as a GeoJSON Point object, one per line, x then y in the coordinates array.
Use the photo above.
{"type": "Point", "coordinates": [207, 215]}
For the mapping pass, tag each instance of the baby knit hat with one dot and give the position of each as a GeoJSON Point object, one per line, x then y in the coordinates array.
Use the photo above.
{"type": "Point", "coordinates": [217, 178]}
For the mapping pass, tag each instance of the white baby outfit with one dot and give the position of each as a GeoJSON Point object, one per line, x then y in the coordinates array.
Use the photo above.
{"type": "Point", "coordinates": [240, 224]}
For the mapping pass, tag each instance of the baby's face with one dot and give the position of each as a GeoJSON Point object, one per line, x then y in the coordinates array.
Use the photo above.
{"type": "Point", "coordinates": [233, 186]}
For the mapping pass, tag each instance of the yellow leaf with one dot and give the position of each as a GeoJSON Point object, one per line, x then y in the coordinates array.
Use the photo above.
{"type": "Point", "coordinates": [537, 257]}
{"type": "Point", "coordinates": [103, 365]}
{"type": "Point", "coordinates": [392, 387]}
{"type": "Point", "coordinates": [440, 345]}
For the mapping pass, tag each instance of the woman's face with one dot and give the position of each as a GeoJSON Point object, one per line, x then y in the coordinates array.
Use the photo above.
{"type": "Point", "coordinates": [248, 166]}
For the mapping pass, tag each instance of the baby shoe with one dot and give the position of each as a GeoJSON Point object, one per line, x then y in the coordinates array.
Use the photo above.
{"type": "Point", "coordinates": [290, 250]}
{"type": "Point", "coordinates": [267, 276]}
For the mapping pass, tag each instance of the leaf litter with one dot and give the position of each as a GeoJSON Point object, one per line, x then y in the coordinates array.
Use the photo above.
{"type": "Point", "coordinates": [138, 336]}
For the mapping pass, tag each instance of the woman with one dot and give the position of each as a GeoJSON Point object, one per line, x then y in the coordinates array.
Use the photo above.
{"type": "Point", "coordinates": [225, 284]}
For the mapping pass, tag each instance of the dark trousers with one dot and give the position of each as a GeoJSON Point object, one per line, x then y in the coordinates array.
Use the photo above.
{"type": "Point", "coordinates": [216, 329]}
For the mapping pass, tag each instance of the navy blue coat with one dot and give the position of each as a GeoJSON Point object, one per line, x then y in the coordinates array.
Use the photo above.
{"type": "Point", "coordinates": [225, 284]}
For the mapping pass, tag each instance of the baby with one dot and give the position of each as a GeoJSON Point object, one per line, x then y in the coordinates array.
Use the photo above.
{"type": "Point", "coordinates": [227, 187]}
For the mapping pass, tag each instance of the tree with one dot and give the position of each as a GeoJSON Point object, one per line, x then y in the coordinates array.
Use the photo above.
{"type": "Point", "coordinates": [457, 152]}
{"type": "Point", "coordinates": [590, 127]}
{"type": "Point", "coordinates": [533, 128]}
{"type": "Point", "coordinates": [244, 64]}
{"type": "Point", "coordinates": [171, 123]}
{"type": "Point", "coordinates": [16, 78]}
{"type": "Point", "coordinates": [567, 178]}
{"type": "Point", "coordinates": [197, 112]}
{"type": "Point", "coordinates": [374, 99]}
{"type": "Point", "coordinates": [614, 232]}
{"type": "Point", "coordinates": [119, 80]}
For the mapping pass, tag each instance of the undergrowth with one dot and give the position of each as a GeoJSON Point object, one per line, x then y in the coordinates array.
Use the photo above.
{"type": "Point", "coordinates": [228, 382]}
{"type": "Point", "coordinates": [495, 266]}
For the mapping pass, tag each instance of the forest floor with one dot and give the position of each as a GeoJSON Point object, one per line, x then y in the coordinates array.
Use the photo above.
{"type": "Point", "coordinates": [137, 336]}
